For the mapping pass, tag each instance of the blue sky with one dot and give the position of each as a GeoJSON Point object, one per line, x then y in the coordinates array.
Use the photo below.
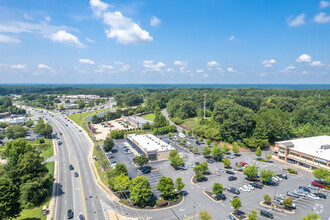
{"type": "Point", "coordinates": [165, 41]}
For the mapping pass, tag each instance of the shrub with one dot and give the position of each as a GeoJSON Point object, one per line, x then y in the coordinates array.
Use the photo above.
{"type": "Point", "coordinates": [239, 165]}
{"type": "Point", "coordinates": [262, 160]}
{"type": "Point", "coordinates": [292, 171]}
{"type": "Point", "coordinates": [162, 202]}
{"type": "Point", "coordinates": [177, 120]}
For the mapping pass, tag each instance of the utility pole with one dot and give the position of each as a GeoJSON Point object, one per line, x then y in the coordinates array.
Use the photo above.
{"type": "Point", "coordinates": [204, 103]}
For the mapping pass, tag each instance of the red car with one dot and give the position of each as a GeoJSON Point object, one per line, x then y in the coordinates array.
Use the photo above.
{"type": "Point", "coordinates": [243, 163]}
{"type": "Point", "coordinates": [320, 185]}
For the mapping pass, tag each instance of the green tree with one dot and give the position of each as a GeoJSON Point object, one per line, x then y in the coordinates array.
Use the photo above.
{"type": "Point", "coordinates": [226, 149]}
{"type": "Point", "coordinates": [108, 144]}
{"type": "Point", "coordinates": [287, 202]}
{"type": "Point", "coordinates": [190, 146]}
{"type": "Point", "coordinates": [190, 133]}
{"type": "Point", "coordinates": [183, 131]}
{"type": "Point", "coordinates": [208, 142]}
{"type": "Point", "coordinates": [267, 199]}
{"type": "Point", "coordinates": [3, 125]}
{"type": "Point", "coordinates": [140, 191]}
{"type": "Point", "coordinates": [217, 151]}
{"type": "Point", "coordinates": [141, 160]}
{"type": "Point", "coordinates": [81, 104]}
{"type": "Point", "coordinates": [251, 171]}
{"type": "Point", "coordinates": [30, 123]}
{"type": "Point", "coordinates": [14, 132]}
{"type": "Point", "coordinates": [321, 173]}
{"type": "Point", "coordinates": [147, 126]}
{"type": "Point", "coordinates": [114, 134]}
{"type": "Point", "coordinates": [179, 185]}
{"type": "Point", "coordinates": [226, 162]}
{"type": "Point", "coordinates": [200, 169]}
{"type": "Point", "coordinates": [269, 156]}
{"type": "Point", "coordinates": [253, 215]}
{"type": "Point", "coordinates": [266, 175]}
{"type": "Point", "coordinates": [236, 204]}
{"type": "Point", "coordinates": [206, 150]}
{"type": "Point", "coordinates": [201, 139]}
{"type": "Point", "coordinates": [165, 186]}
{"type": "Point", "coordinates": [204, 215]}
{"type": "Point", "coordinates": [160, 120]}
{"type": "Point", "coordinates": [236, 148]}
{"type": "Point", "coordinates": [312, 216]}
{"type": "Point", "coordinates": [183, 142]}
{"type": "Point", "coordinates": [258, 152]}
{"type": "Point", "coordinates": [175, 158]}
{"type": "Point", "coordinates": [170, 135]}
{"type": "Point", "coordinates": [196, 137]}
{"type": "Point", "coordinates": [121, 183]}
{"type": "Point", "coordinates": [196, 150]}
{"type": "Point", "coordinates": [120, 168]}
{"type": "Point", "coordinates": [9, 199]}
{"type": "Point", "coordinates": [217, 188]}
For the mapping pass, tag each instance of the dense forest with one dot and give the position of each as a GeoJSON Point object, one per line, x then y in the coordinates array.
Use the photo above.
{"type": "Point", "coordinates": [253, 117]}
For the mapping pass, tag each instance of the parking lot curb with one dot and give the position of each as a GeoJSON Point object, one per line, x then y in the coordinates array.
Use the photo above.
{"type": "Point", "coordinates": [277, 209]}
{"type": "Point", "coordinates": [204, 191]}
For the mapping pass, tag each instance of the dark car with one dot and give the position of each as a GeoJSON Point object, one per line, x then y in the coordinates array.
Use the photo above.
{"type": "Point", "coordinates": [210, 161]}
{"type": "Point", "coordinates": [268, 183]}
{"type": "Point", "coordinates": [197, 163]}
{"type": "Point", "coordinates": [81, 217]}
{"type": "Point", "coordinates": [207, 156]}
{"type": "Point", "coordinates": [197, 142]}
{"type": "Point", "coordinates": [70, 214]}
{"type": "Point", "coordinates": [145, 170]}
{"type": "Point", "coordinates": [230, 172]}
{"type": "Point", "coordinates": [221, 196]}
{"type": "Point", "coordinates": [71, 167]}
{"type": "Point", "coordinates": [304, 189]}
{"type": "Point", "coordinates": [266, 214]}
{"type": "Point", "coordinates": [207, 173]}
{"type": "Point", "coordinates": [233, 190]}
{"type": "Point", "coordinates": [320, 195]}
{"type": "Point", "coordinates": [257, 185]}
{"type": "Point", "coordinates": [283, 176]}
{"type": "Point", "coordinates": [76, 174]}
{"type": "Point", "coordinates": [203, 179]}
{"type": "Point", "coordinates": [232, 178]}
{"type": "Point", "coordinates": [60, 133]}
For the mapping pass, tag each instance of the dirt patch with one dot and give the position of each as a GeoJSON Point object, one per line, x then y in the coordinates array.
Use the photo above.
{"type": "Point", "coordinates": [277, 208]}
{"type": "Point", "coordinates": [212, 196]}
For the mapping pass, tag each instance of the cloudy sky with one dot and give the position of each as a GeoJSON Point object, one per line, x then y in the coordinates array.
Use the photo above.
{"type": "Point", "coordinates": [165, 41]}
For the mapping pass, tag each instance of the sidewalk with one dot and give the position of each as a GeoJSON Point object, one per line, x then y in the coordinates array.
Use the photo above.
{"type": "Point", "coordinates": [53, 201]}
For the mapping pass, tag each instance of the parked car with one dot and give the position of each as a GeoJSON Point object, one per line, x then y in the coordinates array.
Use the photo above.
{"type": "Point", "coordinates": [312, 196]}
{"type": "Point", "coordinates": [320, 185]}
{"type": "Point", "coordinates": [300, 192]}
{"type": "Point", "coordinates": [234, 198]}
{"type": "Point", "coordinates": [221, 196]}
{"type": "Point", "coordinates": [190, 165]}
{"type": "Point", "coordinates": [257, 185]}
{"type": "Point", "coordinates": [245, 189]}
{"type": "Point", "coordinates": [266, 214]}
{"type": "Point", "coordinates": [231, 157]}
{"type": "Point", "coordinates": [292, 194]}
{"type": "Point", "coordinates": [279, 197]}
{"type": "Point", "coordinates": [243, 163]}
{"type": "Point", "coordinates": [304, 189]}
{"type": "Point", "coordinates": [210, 161]}
{"type": "Point", "coordinates": [232, 178]}
{"type": "Point", "coordinates": [145, 170]}
{"type": "Point", "coordinates": [197, 163]}
{"type": "Point", "coordinates": [207, 173]}
{"type": "Point", "coordinates": [231, 217]}
{"type": "Point", "coordinates": [320, 195]}
{"type": "Point", "coordinates": [233, 190]}
{"type": "Point", "coordinates": [70, 214]}
{"type": "Point", "coordinates": [283, 176]}
{"type": "Point", "coordinates": [203, 179]}
{"type": "Point", "coordinates": [182, 167]}
{"type": "Point", "coordinates": [230, 172]}
{"type": "Point", "coordinates": [219, 170]}
{"type": "Point", "coordinates": [310, 186]}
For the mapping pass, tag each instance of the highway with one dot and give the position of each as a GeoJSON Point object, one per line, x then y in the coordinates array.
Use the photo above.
{"type": "Point", "coordinates": [82, 194]}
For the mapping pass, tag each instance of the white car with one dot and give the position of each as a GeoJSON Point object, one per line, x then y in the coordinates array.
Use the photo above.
{"type": "Point", "coordinates": [250, 186]}
{"type": "Point", "coordinates": [300, 192]}
{"type": "Point", "coordinates": [219, 170]}
{"type": "Point", "coordinates": [310, 186]}
{"type": "Point", "coordinates": [312, 196]}
{"type": "Point", "coordinates": [276, 179]}
{"type": "Point", "coordinates": [190, 165]}
{"type": "Point", "coordinates": [245, 189]}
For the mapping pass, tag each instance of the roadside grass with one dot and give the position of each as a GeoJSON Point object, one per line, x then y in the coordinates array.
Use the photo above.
{"type": "Point", "coordinates": [47, 149]}
{"type": "Point", "coordinates": [98, 164]}
{"type": "Point", "coordinates": [150, 116]}
{"type": "Point", "coordinates": [36, 212]}
{"type": "Point", "coordinates": [190, 123]}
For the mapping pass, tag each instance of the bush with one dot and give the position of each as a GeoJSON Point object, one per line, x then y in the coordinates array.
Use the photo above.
{"type": "Point", "coordinates": [292, 171]}
{"type": "Point", "coordinates": [262, 160]}
{"type": "Point", "coordinates": [162, 202]}
{"type": "Point", "coordinates": [41, 141]}
{"type": "Point", "coordinates": [177, 120]}
{"type": "Point", "coordinates": [164, 130]}
{"type": "Point", "coordinates": [239, 165]}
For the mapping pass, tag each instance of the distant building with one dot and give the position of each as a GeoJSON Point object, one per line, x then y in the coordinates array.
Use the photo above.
{"type": "Point", "coordinates": [150, 145]}
{"type": "Point", "coordinates": [14, 121]}
{"type": "Point", "coordinates": [4, 115]}
{"type": "Point", "coordinates": [136, 121]}
{"type": "Point", "coordinates": [311, 153]}
{"type": "Point", "coordinates": [71, 106]}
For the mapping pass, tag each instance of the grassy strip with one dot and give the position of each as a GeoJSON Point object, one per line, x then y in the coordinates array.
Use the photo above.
{"type": "Point", "coordinates": [36, 212]}
{"type": "Point", "coordinates": [98, 164]}
{"type": "Point", "coordinates": [47, 149]}
{"type": "Point", "coordinates": [150, 116]}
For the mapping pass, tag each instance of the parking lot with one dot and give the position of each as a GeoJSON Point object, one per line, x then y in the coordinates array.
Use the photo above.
{"type": "Point", "coordinates": [250, 200]}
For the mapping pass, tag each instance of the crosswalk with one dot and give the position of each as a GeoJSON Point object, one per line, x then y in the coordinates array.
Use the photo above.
{"type": "Point", "coordinates": [105, 209]}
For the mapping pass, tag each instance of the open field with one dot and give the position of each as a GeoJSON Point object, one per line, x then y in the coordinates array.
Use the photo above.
{"type": "Point", "coordinates": [150, 116]}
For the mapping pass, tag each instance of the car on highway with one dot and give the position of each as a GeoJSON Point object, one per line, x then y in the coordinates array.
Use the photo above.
{"type": "Point", "coordinates": [233, 190]}
{"type": "Point", "coordinates": [321, 195]}
{"type": "Point", "coordinates": [61, 133]}
{"type": "Point", "coordinates": [230, 172]}
{"type": "Point", "coordinates": [312, 196]}
{"type": "Point", "coordinates": [81, 216]}
{"type": "Point", "coordinates": [70, 214]}
{"type": "Point", "coordinates": [266, 214]}
{"type": "Point", "coordinates": [71, 167]}
{"type": "Point", "coordinates": [232, 178]}
{"type": "Point", "coordinates": [76, 174]}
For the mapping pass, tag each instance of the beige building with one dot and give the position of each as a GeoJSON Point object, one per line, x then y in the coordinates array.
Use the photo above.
{"type": "Point", "coordinates": [311, 153]}
{"type": "Point", "coordinates": [150, 145]}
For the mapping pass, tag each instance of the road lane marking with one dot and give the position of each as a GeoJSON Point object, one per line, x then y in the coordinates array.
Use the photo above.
{"type": "Point", "coordinates": [64, 141]}
{"type": "Point", "coordinates": [82, 190]}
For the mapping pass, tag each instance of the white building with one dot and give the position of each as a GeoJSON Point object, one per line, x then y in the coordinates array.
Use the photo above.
{"type": "Point", "coordinates": [136, 121]}
{"type": "Point", "coordinates": [150, 145]}
{"type": "Point", "coordinates": [312, 152]}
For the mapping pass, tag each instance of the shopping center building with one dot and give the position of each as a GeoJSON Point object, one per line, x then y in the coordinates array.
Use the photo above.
{"type": "Point", "coordinates": [311, 153]}
{"type": "Point", "coordinates": [150, 145]}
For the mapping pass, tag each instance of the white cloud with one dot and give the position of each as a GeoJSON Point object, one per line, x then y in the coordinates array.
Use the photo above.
{"type": "Point", "coordinates": [263, 74]}
{"type": "Point", "coordinates": [200, 71]}
{"type": "Point", "coordinates": [25, 27]}
{"type": "Point", "coordinates": [27, 17]}
{"type": "Point", "coordinates": [322, 18]}
{"type": "Point", "coordinates": [268, 63]}
{"type": "Point", "coordinates": [180, 63]}
{"type": "Point", "coordinates": [18, 66]}
{"type": "Point", "coordinates": [66, 38]}
{"type": "Point", "coordinates": [90, 40]}
{"type": "Point", "coordinates": [149, 65]}
{"type": "Point", "coordinates": [125, 67]}
{"type": "Point", "coordinates": [105, 67]}
{"type": "Point", "coordinates": [86, 61]}
{"type": "Point", "coordinates": [8, 39]}
{"type": "Point", "coordinates": [304, 72]}
{"type": "Point", "coordinates": [316, 63]}
{"type": "Point", "coordinates": [154, 21]}
{"type": "Point", "coordinates": [232, 37]}
{"type": "Point", "coordinates": [169, 70]}
{"type": "Point", "coordinates": [205, 75]}
{"type": "Point", "coordinates": [324, 4]}
{"type": "Point", "coordinates": [120, 27]}
{"type": "Point", "coordinates": [229, 69]}
{"type": "Point", "coordinates": [304, 58]}
{"type": "Point", "coordinates": [296, 21]}
{"type": "Point", "coordinates": [44, 66]}
{"type": "Point", "coordinates": [47, 18]}
{"type": "Point", "coordinates": [212, 64]}
{"type": "Point", "coordinates": [289, 69]}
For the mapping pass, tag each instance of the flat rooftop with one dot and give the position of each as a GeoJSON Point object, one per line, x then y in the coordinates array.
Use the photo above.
{"type": "Point", "coordinates": [310, 146]}
{"type": "Point", "coordinates": [150, 142]}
